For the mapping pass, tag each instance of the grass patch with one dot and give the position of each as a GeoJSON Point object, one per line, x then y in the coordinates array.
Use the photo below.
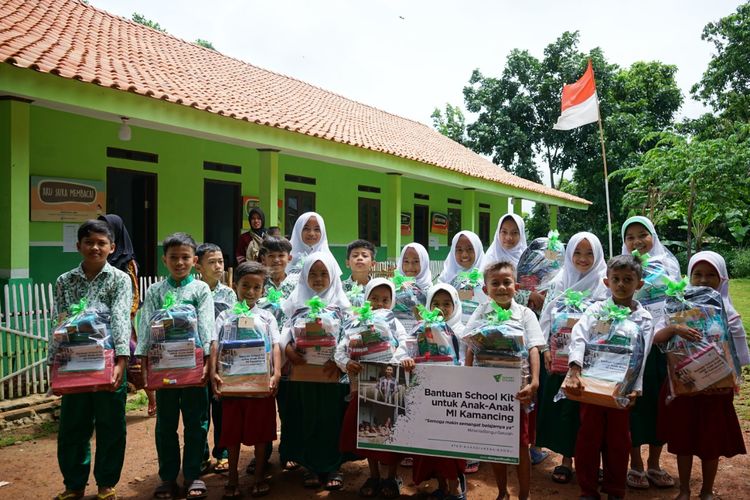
{"type": "Point", "coordinates": [137, 402]}
{"type": "Point", "coordinates": [37, 432]}
{"type": "Point", "coordinates": [739, 290]}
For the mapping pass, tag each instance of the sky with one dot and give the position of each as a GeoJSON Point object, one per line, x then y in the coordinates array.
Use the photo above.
{"type": "Point", "coordinates": [410, 56]}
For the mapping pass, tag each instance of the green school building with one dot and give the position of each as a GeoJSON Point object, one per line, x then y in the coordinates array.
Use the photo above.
{"type": "Point", "coordinates": [100, 114]}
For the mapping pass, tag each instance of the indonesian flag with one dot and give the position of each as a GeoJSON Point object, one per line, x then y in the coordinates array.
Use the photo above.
{"type": "Point", "coordinates": [579, 102]}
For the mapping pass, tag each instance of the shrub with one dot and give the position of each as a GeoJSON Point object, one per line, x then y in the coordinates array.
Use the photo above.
{"type": "Point", "coordinates": [739, 263]}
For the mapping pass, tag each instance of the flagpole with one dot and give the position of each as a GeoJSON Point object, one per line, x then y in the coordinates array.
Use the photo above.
{"type": "Point", "coordinates": [606, 177]}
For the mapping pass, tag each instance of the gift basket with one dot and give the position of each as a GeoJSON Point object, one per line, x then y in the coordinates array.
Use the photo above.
{"type": "Point", "coordinates": [315, 330]}
{"type": "Point", "coordinates": [612, 360]}
{"type": "Point", "coordinates": [469, 285]}
{"type": "Point", "coordinates": [356, 295]}
{"type": "Point", "coordinates": [432, 340]}
{"type": "Point", "coordinates": [710, 363]}
{"type": "Point", "coordinates": [82, 351]}
{"type": "Point", "coordinates": [540, 263]}
{"type": "Point", "coordinates": [244, 354]}
{"type": "Point", "coordinates": [408, 297]}
{"type": "Point", "coordinates": [371, 335]}
{"type": "Point", "coordinates": [175, 353]}
{"type": "Point", "coordinates": [273, 303]}
{"type": "Point", "coordinates": [654, 290]}
{"type": "Point", "coordinates": [566, 311]}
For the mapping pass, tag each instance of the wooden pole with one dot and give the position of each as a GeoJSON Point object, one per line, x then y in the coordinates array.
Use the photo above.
{"type": "Point", "coordinates": [606, 183]}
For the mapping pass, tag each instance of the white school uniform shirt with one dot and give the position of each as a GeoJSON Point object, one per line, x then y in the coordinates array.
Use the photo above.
{"type": "Point", "coordinates": [582, 332]}
{"type": "Point", "coordinates": [263, 320]}
{"type": "Point", "coordinates": [532, 332]}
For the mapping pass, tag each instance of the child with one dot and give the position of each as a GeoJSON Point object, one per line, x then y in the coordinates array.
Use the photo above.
{"type": "Point", "coordinates": [275, 254]}
{"type": "Point", "coordinates": [98, 282]}
{"type": "Point", "coordinates": [308, 236]}
{"type": "Point", "coordinates": [500, 287]}
{"type": "Point", "coordinates": [313, 412]}
{"type": "Point", "coordinates": [211, 267]}
{"type": "Point", "coordinates": [379, 292]}
{"type": "Point", "coordinates": [414, 264]}
{"type": "Point", "coordinates": [604, 431]}
{"type": "Point", "coordinates": [250, 421]}
{"type": "Point", "coordinates": [638, 233]}
{"type": "Point", "coordinates": [448, 471]}
{"type": "Point", "coordinates": [584, 271]}
{"type": "Point", "coordinates": [360, 258]}
{"type": "Point", "coordinates": [704, 425]}
{"type": "Point", "coordinates": [192, 402]}
{"type": "Point", "coordinates": [465, 257]}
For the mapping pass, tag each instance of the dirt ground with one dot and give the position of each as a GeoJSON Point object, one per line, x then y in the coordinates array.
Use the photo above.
{"type": "Point", "coordinates": [31, 468]}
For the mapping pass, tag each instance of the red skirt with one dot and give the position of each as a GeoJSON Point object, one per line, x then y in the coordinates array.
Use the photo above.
{"type": "Point", "coordinates": [704, 425]}
{"type": "Point", "coordinates": [348, 438]}
{"type": "Point", "coordinates": [247, 421]}
{"type": "Point", "coordinates": [528, 427]}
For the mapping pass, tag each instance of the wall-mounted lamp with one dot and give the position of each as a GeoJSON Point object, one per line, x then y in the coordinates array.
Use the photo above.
{"type": "Point", "coordinates": [124, 133]}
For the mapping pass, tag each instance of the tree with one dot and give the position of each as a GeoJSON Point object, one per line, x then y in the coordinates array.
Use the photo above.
{"type": "Point", "coordinates": [205, 43]}
{"type": "Point", "coordinates": [141, 19]}
{"type": "Point", "coordinates": [453, 125]}
{"type": "Point", "coordinates": [725, 85]}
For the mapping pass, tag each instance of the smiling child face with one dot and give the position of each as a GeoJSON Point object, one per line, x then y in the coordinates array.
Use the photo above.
{"type": "Point", "coordinates": [410, 264]}
{"type": "Point", "coordinates": [583, 256]}
{"type": "Point", "coordinates": [509, 234]}
{"type": "Point", "coordinates": [638, 237]}
{"type": "Point", "coordinates": [465, 255]}
{"type": "Point", "coordinates": [311, 233]}
{"type": "Point", "coordinates": [318, 278]}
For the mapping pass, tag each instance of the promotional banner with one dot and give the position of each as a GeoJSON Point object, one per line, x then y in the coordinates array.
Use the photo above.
{"type": "Point", "coordinates": [438, 410]}
{"type": "Point", "coordinates": [57, 199]}
{"type": "Point", "coordinates": [405, 223]}
{"type": "Point", "coordinates": [439, 223]}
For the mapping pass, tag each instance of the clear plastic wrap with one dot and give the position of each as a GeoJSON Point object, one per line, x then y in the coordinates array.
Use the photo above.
{"type": "Point", "coordinates": [612, 360]}
{"type": "Point", "coordinates": [315, 330]}
{"type": "Point", "coordinates": [469, 285]}
{"type": "Point", "coordinates": [244, 354]}
{"type": "Point", "coordinates": [540, 263]}
{"type": "Point", "coordinates": [432, 340]}
{"type": "Point", "coordinates": [710, 363]}
{"type": "Point", "coordinates": [273, 302]}
{"type": "Point", "coordinates": [356, 295]}
{"type": "Point", "coordinates": [371, 335]}
{"type": "Point", "coordinates": [175, 352]}
{"type": "Point", "coordinates": [654, 290]}
{"type": "Point", "coordinates": [567, 309]}
{"type": "Point", "coordinates": [82, 351]}
{"type": "Point", "coordinates": [408, 297]}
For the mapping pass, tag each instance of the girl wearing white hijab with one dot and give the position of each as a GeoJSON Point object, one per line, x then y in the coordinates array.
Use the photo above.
{"type": "Point", "coordinates": [510, 231]}
{"type": "Point", "coordinates": [638, 233]}
{"type": "Point", "coordinates": [308, 236]}
{"type": "Point", "coordinates": [334, 295]}
{"type": "Point", "coordinates": [584, 270]}
{"type": "Point", "coordinates": [466, 255]}
{"type": "Point", "coordinates": [423, 278]}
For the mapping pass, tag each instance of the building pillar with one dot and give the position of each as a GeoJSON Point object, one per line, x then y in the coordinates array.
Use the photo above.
{"type": "Point", "coordinates": [14, 189]}
{"type": "Point", "coordinates": [553, 217]}
{"type": "Point", "coordinates": [518, 206]}
{"type": "Point", "coordinates": [469, 212]}
{"type": "Point", "coordinates": [269, 186]}
{"type": "Point", "coordinates": [393, 215]}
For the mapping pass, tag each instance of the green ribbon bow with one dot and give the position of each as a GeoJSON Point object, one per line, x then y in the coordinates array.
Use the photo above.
{"type": "Point", "coordinates": [473, 276]}
{"type": "Point", "coordinates": [76, 309]}
{"type": "Point", "coordinates": [615, 313]}
{"type": "Point", "coordinates": [357, 289]}
{"type": "Point", "coordinates": [170, 300]}
{"type": "Point", "coordinates": [676, 288]}
{"type": "Point", "coordinates": [574, 298]}
{"type": "Point", "coordinates": [434, 316]}
{"type": "Point", "coordinates": [553, 241]}
{"type": "Point", "coordinates": [364, 312]}
{"type": "Point", "coordinates": [501, 315]}
{"type": "Point", "coordinates": [316, 305]}
{"type": "Point", "coordinates": [241, 309]}
{"type": "Point", "coordinates": [643, 257]}
{"type": "Point", "coordinates": [399, 279]}
{"type": "Point", "coordinates": [273, 295]}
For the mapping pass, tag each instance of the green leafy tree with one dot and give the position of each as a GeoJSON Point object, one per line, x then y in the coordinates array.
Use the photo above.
{"type": "Point", "coordinates": [205, 43]}
{"type": "Point", "coordinates": [141, 19]}
{"type": "Point", "coordinates": [452, 124]}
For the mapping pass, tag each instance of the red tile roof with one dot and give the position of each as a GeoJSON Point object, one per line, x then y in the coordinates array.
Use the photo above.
{"type": "Point", "coordinates": [74, 40]}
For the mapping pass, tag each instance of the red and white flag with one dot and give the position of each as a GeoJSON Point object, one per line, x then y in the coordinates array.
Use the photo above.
{"type": "Point", "coordinates": [579, 102]}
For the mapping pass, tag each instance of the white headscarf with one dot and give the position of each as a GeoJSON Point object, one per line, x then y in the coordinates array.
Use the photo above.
{"type": "Point", "coordinates": [376, 282]}
{"type": "Point", "coordinates": [424, 278]}
{"type": "Point", "coordinates": [659, 254]}
{"type": "Point", "coordinates": [497, 253]}
{"type": "Point", "coordinates": [738, 333]}
{"type": "Point", "coordinates": [300, 249]}
{"type": "Point", "coordinates": [451, 268]}
{"type": "Point", "coordinates": [455, 320]}
{"type": "Point", "coordinates": [334, 295]}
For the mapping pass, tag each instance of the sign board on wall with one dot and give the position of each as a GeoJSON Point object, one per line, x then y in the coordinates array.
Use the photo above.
{"type": "Point", "coordinates": [56, 199]}
{"type": "Point", "coordinates": [405, 223]}
{"type": "Point", "coordinates": [439, 223]}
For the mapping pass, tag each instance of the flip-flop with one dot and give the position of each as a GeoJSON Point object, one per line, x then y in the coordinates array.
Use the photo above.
{"type": "Point", "coordinates": [198, 486]}
{"type": "Point", "coordinates": [334, 481]}
{"type": "Point", "coordinates": [108, 495]}
{"type": "Point", "coordinates": [636, 479]}
{"type": "Point", "coordinates": [167, 490]}
{"type": "Point", "coordinates": [260, 489]}
{"type": "Point", "coordinates": [231, 491]}
{"type": "Point", "coordinates": [562, 474]}
{"type": "Point", "coordinates": [659, 478]}
{"type": "Point", "coordinates": [221, 466]}
{"type": "Point", "coordinates": [291, 465]}
{"type": "Point", "coordinates": [538, 456]}
{"type": "Point", "coordinates": [70, 495]}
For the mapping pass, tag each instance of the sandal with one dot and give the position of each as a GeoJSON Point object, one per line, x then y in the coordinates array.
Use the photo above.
{"type": "Point", "coordinates": [660, 478]}
{"type": "Point", "coordinates": [637, 479]}
{"type": "Point", "coordinates": [311, 480]}
{"type": "Point", "coordinates": [471, 468]}
{"type": "Point", "coordinates": [335, 481]}
{"type": "Point", "coordinates": [562, 474]}
{"type": "Point", "coordinates": [260, 489]}
{"type": "Point", "coordinates": [197, 489]}
{"type": "Point", "coordinates": [70, 495]}
{"type": "Point", "coordinates": [290, 465]}
{"type": "Point", "coordinates": [110, 494]}
{"type": "Point", "coordinates": [390, 488]}
{"type": "Point", "coordinates": [167, 490]}
{"type": "Point", "coordinates": [371, 488]}
{"type": "Point", "coordinates": [231, 491]}
{"type": "Point", "coordinates": [222, 465]}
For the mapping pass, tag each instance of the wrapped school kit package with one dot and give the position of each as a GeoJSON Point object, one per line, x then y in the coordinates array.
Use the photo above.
{"type": "Point", "coordinates": [540, 263]}
{"type": "Point", "coordinates": [654, 290]}
{"type": "Point", "coordinates": [315, 330]}
{"type": "Point", "coordinates": [710, 363]}
{"type": "Point", "coordinates": [371, 335]}
{"type": "Point", "coordinates": [82, 351]}
{"type": "Point", "coordinates": [566, 311]}
{"type": "Point", "coordinates": [273, 303]}
{"type": "Point", "coordinates": [356, 295]}
{"type": "Point", "coordinates": [175, 351]}
{"type": "Point", "coordinates": [612, 360]}
{"type": "Point", "coordinates": [244, 354]}
{"type": "Point", "coordinates": [408, 297]}
{"type": "Point", "coordinates": [432, 340]}
{"type": "Point", "coordinates": [469, 285]}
